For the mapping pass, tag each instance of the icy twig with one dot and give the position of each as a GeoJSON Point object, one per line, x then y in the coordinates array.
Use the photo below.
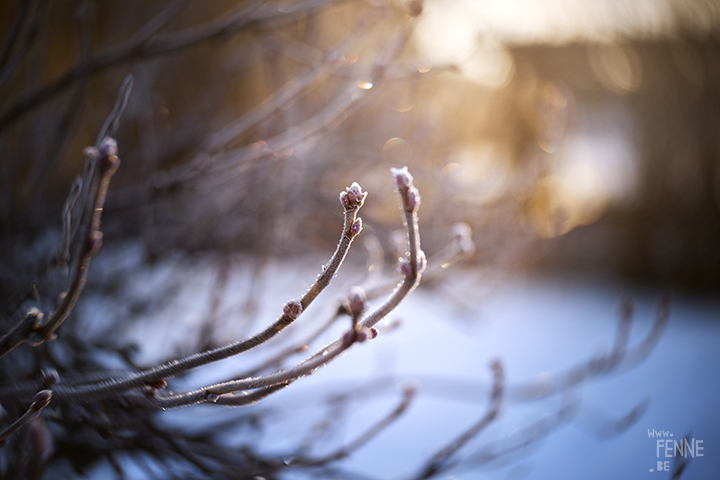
{"type": "Point", "coordinates": [411, 266]}
{"type": "Point", "coordinates": [352, 200]}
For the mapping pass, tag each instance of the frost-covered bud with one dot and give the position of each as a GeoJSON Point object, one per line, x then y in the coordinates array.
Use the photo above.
{"type": "Point", "coordinates": [41, 400]}
{"type": "Point", "coordinates": [357, 301]}
{"type": "Point", "coordinates": [356, 227]}
{"type": "Point", "coordinates": [413, 198]}
{"type": "Point", "coordinates": [355, 193]}
{"type": "Point", "coordinates": [108, 147]}
{"type": "Point", "coordinates": [344, 201]}
{"type": "Point", "coordinates": [402, 177]}
{"type": "Point", "coordinates": [91, 152]}
{"type": "Point", "coordinates": [405, 267]}
{"type": "Point", "coordinates": [211, 397]}
{"type": "Point", "coordinates": [366, 333]}
{"type": "Point", "coordinates": [293, 309]}
{"type": "Point", "coordinates": [107, 159]}
{"type": "Point", "coordinates": [461, 230]}
{"type": "Point", "coordinates": [49, 376]}
{"type": "Point", "coordinates": [352, 197]}
{"type": "Point", "coordinates": [462, 234]}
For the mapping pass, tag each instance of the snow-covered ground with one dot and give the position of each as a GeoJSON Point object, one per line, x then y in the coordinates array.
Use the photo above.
{"type": "Point", "coordinates": [447, 338]}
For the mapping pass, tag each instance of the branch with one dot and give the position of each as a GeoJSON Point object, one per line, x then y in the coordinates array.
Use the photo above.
{"type": "Point", "coordinates": [619, 359]}
{"type": "Point", "coordinates": [441, 461]}
{"type": "Point", "coordinates": [382, 424]}
{"type": "Point", "coordinates": [411, 266]}
{"type": "Point", "coordinates": [41, 400]}
{"type": "Point", "coordinates": [352, 200]}
{"type": "Point", "coordinates": [105, 162]}
{"type": "Point", "coordinates": [143, 47]}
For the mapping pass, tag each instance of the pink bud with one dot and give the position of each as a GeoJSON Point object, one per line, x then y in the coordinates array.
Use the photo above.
{"type": "Point", "coordinates": [353, 196]}
{"type": "Point", "coordinates": [405, 267]}
{"type": "Point", "coordinates": [356, 227]}
{"type": "Point", "coordinates": [403, 179]}
{"type": "Point", "coordinates": [373, 333]}
{"type": "Point", "coordinates": [293, 309]}
{"type": "Point", "coordinates": [413, 198]}
{"type": "Point", "coordinates": [357, 301]}
{"type": "Point", "coordinates": [344, 201]}
{"type": "Point", "coordinates": [108, 147]}
{"type": "Point", "coordinates": [354, 193]}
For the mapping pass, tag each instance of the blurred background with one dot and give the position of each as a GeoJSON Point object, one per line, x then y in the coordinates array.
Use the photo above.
{"type": "Point", "coordinates": [579, 140]}
{"type": "Point", "coordinates": [572, 135]}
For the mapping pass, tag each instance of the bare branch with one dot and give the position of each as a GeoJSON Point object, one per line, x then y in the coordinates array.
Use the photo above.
{"type": "Point", "coordinates": [443, 460]}
{"type": "Point", "coordinates": [372, 432]}
{"type": "Point", "coordinates": [411, 267]}
{"type": "Point", "coordinates": [354, 199]}
{"type": "Point", "coordinates": [41, 400]}
{"type": "Point", "coordinates": [142, 47]}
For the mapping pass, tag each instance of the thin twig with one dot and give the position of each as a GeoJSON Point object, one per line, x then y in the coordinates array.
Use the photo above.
{"type": "Point", "coordinates": [291, 312]}
{"type": "Point", "coordinates": [442, 460]}
{"type": "Point", "coordinates": [620, 358]}
{"type": "Point", "coordinates": [107, 162]}
{"type": "Point", "coordinates": [372, 432]}
{"type": "Point", "coordinates": [142, 48]}
{"type": "Point", "coordinates": [411, 267]}
{"type": "Point", "coordinates": [41, 400]}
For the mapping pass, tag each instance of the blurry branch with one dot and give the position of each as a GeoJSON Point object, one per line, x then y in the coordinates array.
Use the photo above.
{"type": "Point", "coordinates": [227, 165]}
{"type": "Point", "coordinates": [619, 358]}
{"type": "Point", "coordinates": [328, 63]}
{"type": "Point", "coordinates": [442, 460]}
{"type": "Point", "coordinates": [372, 432]}
{"type": "Point", "coordinates": [41, 400]}
{"type": "Point", "coordinates": [112, 122]}
{"type": "Point", "coordinates": [32, 329]}
{"type": "Point", "coordinates": [146, 44]}
{"type": "Point", "coordinates": [680, 462]}
{"type": "Point", "coordinates": [306, 55]}
{"type": "Point", "coordinates": [9, 61]}
{"type": "Point", "coordinates": [525, 436]}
